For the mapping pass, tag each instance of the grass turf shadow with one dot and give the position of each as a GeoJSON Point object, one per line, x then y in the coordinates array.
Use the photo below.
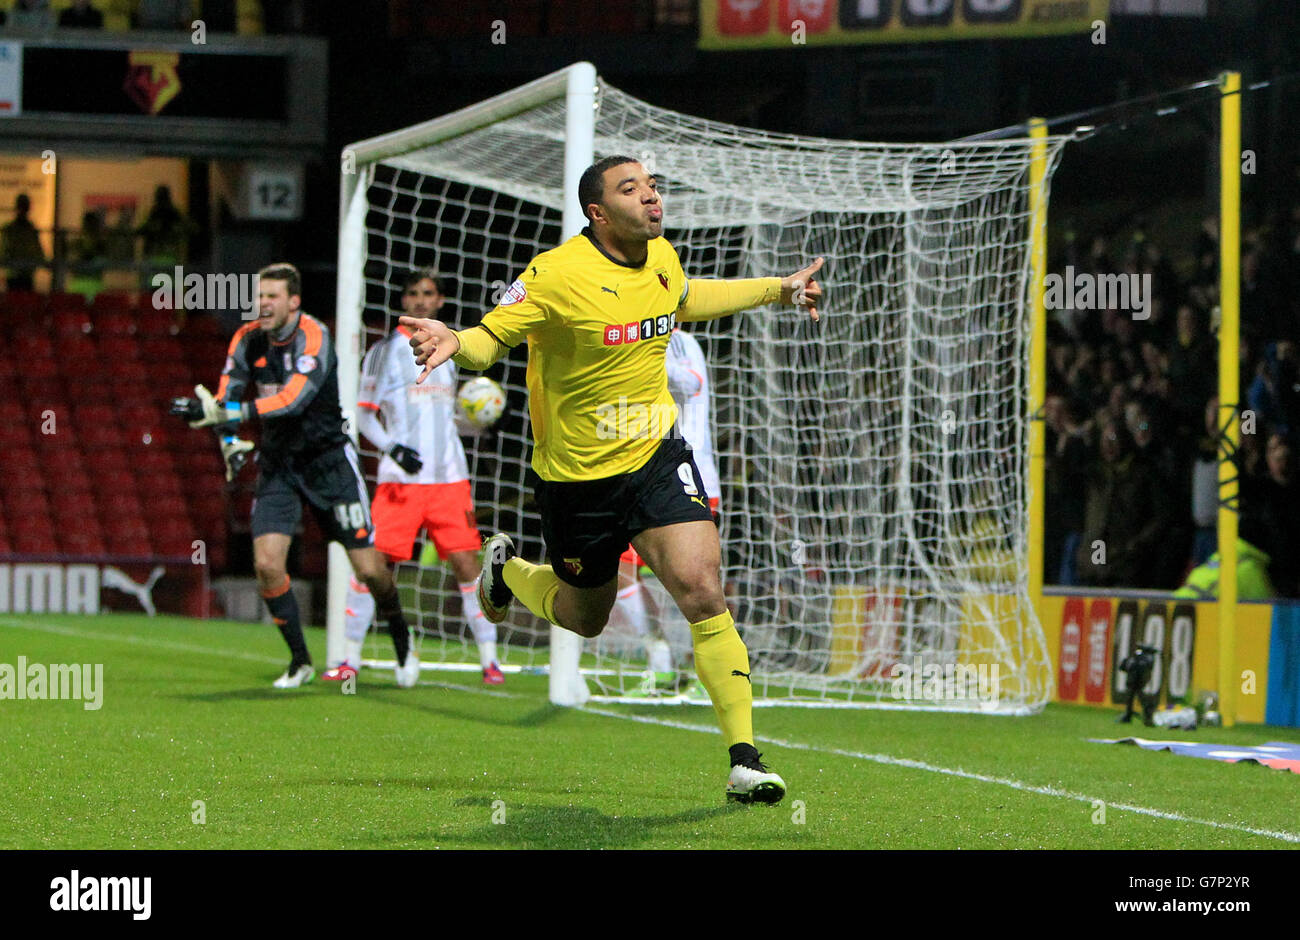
{"type": "Point", "coordinates": [569, 827]}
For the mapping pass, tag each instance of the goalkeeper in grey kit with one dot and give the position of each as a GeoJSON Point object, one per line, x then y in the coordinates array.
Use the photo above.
{"type": "Point", "coordinates": [288, 358]}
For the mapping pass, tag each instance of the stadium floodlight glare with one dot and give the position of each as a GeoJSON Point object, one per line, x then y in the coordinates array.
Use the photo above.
{"type": "Point", "coordinates": [874, 465]}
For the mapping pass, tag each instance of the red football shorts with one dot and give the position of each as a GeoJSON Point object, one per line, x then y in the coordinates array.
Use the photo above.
{"type": "Point", "coordinates": [637, 561]}
{"type": "Point", "coordinates": [444, 510]}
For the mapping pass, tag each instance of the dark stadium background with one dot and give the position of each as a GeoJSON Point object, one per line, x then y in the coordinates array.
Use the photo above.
{"type": "Point", "coordinates": [292, 83]}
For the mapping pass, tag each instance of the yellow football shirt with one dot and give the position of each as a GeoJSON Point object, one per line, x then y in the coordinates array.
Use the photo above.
{"type": "Point", "coordinates": [597, 331]}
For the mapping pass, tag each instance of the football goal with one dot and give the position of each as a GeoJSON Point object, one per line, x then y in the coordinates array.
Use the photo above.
{"type": "Point", "coordinates": [874, 466]}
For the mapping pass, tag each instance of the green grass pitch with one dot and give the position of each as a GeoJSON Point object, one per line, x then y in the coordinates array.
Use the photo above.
{"type": "Point", "coordinates": [192, 748]}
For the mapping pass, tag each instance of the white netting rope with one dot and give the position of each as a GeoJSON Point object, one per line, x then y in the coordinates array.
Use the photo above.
{"type": "Point", "coordinates": [873, 465]}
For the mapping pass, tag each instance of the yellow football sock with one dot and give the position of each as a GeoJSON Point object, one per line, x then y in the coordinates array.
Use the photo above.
{"type": "Point", "coordinates": [722, 663]}
{"type": "Point", "coordinates": [534, 585]}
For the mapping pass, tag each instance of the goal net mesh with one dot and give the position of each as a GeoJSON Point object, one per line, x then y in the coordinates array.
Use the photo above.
{"type": "Point", "coordinates": [873, 465]}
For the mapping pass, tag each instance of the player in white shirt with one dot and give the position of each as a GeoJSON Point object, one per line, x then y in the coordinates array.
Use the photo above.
{"type": "Point", "coordinates": [423, 475]}
{"type": "Point", "coordinates": [688, 383]}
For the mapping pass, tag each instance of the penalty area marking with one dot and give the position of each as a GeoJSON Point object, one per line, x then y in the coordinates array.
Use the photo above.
{"type": "Point", "coordinates": [964, 774]}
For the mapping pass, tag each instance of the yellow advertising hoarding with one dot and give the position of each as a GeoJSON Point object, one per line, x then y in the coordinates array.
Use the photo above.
{"type": "Point", "coordinates": [756, 24]}
{"type": "Point", "coordinates": [1088, 635]}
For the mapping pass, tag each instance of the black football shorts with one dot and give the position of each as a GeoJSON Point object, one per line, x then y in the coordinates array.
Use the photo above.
{"type": "Point", "coordinates": [587, 525]}
{"type": "Point", "coordinates": [334, 489]}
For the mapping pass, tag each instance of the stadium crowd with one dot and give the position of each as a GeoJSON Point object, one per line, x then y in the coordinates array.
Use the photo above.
{"type": "Point", "coordinates": [1132, 414]}
{"type": "Point", "coordinates": [246, 17]}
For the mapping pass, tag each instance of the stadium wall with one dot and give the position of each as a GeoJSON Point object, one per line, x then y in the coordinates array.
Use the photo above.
{"type": "Point", "coordinates": [1090, 633]}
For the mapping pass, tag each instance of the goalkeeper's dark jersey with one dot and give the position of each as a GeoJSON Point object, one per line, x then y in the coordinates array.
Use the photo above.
{"type": "Point", "coordinates": [295, 389]}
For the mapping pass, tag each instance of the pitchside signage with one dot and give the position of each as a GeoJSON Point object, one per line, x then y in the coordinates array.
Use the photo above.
{"type": "Point", "coordinates": [749, 24]}
{"type": "Point", "coordinates": [52, 588]}
{"type": "Point", "coordinates": [1098, 634]}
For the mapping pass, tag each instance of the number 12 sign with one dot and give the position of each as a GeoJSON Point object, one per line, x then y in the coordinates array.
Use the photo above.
{"type": "Point", "coordinates": [274, 192]}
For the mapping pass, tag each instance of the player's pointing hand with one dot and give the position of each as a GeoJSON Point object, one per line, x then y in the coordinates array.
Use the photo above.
{"type": "Point", "coordinates": [801, 290]}
{"type": "Point", "coordinates": [433, 341]}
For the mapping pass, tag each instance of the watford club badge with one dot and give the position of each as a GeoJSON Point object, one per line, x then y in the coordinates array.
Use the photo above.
{"type": "Point", "coordinates": [151, 79]}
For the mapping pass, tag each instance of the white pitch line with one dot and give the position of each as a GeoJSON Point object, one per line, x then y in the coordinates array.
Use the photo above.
{"type": "Point", "coordinates": [706, 729]}
{"type": "Point", "coordinates": [888, 760]}
{"type": "Point", "coordinates": [152, 643]}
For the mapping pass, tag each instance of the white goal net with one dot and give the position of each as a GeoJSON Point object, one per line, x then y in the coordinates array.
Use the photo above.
{"type": "Point", "coordinates": [873, 466]}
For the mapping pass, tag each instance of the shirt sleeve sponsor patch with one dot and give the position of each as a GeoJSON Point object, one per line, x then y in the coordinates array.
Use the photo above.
{"type": "Point", "coordinates": [306, 363]}
{"type": "Point", "coordinates": [514, 293]}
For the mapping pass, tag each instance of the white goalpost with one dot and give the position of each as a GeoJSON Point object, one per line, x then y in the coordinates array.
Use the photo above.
{"type": "Point", "coordinates": [874, 466]}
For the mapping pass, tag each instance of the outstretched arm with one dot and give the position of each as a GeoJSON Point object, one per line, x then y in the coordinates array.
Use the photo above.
{"type": "Point", "coordinates": [435, 342]}
{"type": "Point", "coordinates": [708, 299]}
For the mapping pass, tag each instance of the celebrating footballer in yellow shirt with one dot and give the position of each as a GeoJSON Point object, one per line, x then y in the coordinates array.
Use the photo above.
{"type": "Point", "coordinates": [597, 313]}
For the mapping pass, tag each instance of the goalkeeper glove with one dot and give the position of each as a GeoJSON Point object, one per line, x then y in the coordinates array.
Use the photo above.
{"type": "Point", "coordinates": [205, 411]}
{"type": "Point", "coordinates": [407, 458]}
{"type": "Point", "coordinates": [235, 451]}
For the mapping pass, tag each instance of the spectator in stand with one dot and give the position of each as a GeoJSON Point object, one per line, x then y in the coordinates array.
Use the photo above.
{"type": "Point", "coordinates": [166, 231]}
{"type": "Point", "coordinates": [1162, 456]}
{"type": "Point", "coordinates": [81, 15]}
{"type": "Point", "coordinates": [164, 14]}
{"type": "Point", "coordinates": [1270, 511]}
{"type": "Point", "coordinates": [31, 14]}
{"type": "Point", "coordinates": [1067, 480]}
{"type": "Point", "coordinates": [1192, 370]}
{"type": "Point", "coordinates": [1205, 487]}
{"type": "Point", "coordinates": [1274, 395]}
{"type": "Point", "coordinates": [1126, 514]}
{"type": "Point", "coordinates": [20, 246]}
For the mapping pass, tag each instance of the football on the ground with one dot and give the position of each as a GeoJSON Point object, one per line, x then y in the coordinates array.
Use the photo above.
{"type": "Point", "coordinates": [481, 401]}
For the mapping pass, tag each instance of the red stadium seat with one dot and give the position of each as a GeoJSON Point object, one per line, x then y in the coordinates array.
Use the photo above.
{"type": "Point", "coordinates": [174, 536]}
{"type": "Point", "coordinates": [129, 546]}
{"type": "Point", "coordinates": [116, 346]}
{"type": "Point", "coordinates": [66, 302]}
{"type": "Point", "coordinates": [23, 506]}
{"type": "Point", "coordinates": [72, 323]}
{"type": "Point", "coordinates": [205, 327]}
{"type": "Point", "coordinates": [31, 345]}
{"type": "Point", "coordinates": [25, 461]}
{"type": "Point", "coordinates": [150, 461]}
{"type": "Point", "coordinates": [82, 542]}
{"type": "Point", "coordinates": [126, 371]}
{"type": "Point", "coordinates": [153, 322]}
{"type": "Point", "coordinates": [114, 323]}
{"type": "Point", "coordinates": [76, 354]}
{"type": "Point", "coordinates": [88, 414]}
{"type": "Point", "coordinates": [13, 436]}
{"type": "Point", "coordinates": [178, 371]}
{"type": "Point", "coordinates": [34, 541]}
{"type": "Point", "coordinates": [113, 301]}
{"type": "Point", "coordinates": [108, 482]}
{"type": "Point", "coordinates": [48, 412]}
{"type": "Point", "coordinates": [168, 506]}
{"type": "Point", "coordinates": [155, 350]}
{"type": "Point", "coordinates": [108, 508]}
{"type": "Point", "coordinates": [23, 303]}
{"type": "Point", "coordinates": [161, 485]}
{"type": "Point", "coordinates": [99, 437]}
